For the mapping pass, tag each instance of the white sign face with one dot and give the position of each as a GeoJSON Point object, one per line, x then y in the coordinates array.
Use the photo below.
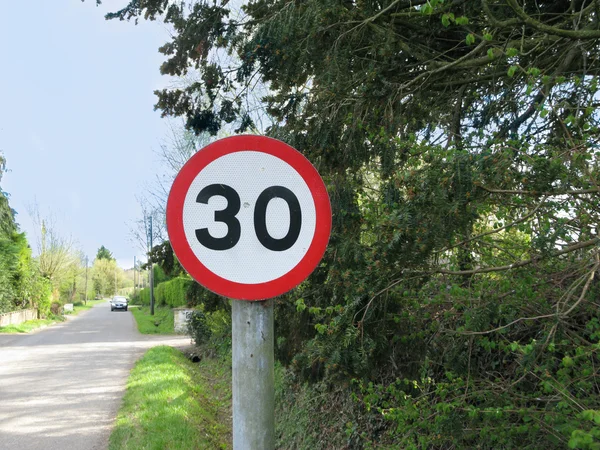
{"type": "Point", "coordinates": [248, 174]}
{"type": "Point", "coordinates": [248, 217]}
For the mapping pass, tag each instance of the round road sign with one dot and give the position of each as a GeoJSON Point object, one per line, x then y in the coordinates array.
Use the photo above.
{"type": "Point", "coordinates": [248, 217]}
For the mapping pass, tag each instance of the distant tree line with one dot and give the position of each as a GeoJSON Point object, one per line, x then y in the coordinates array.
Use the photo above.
{"type": "Point", "coordinates": [58, 273]}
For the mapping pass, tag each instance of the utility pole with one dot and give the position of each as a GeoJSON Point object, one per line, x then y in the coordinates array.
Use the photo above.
{"type": "Point", "coordinates": [134, 273]}
{"type": "Point", "coordinates": [151, 273]}
{"type": "Point", "coordinates": [86, 278]}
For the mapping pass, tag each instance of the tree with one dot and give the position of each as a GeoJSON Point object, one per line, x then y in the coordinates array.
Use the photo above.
{"type": "Point", "coordinates": [55, 252]}
{"type": "Point", "coordinates": [7, 217]}
{"type": "Point", "coordinates": [107, 277]}
{"type": "Point", "coordinates": [175, 150]}
{"type": "Point", "coordinates": [459, 143]}
{"type": "Point", "coordinates": [163, 255]}
{"type": "Point", "coordinates": [17, 275]}
{"type": "Point", "coordinates": [104, 253]}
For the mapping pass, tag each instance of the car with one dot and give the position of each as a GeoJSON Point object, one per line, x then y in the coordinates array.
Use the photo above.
{"type": "Point", "coordinates": [118, 302]}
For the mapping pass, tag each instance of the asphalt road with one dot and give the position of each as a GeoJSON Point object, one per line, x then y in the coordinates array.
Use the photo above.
{"type": "Point", "coordinates": [61, 387]}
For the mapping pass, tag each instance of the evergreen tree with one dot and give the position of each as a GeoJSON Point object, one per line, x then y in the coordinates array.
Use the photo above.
{"type": "Point", "coordinates": [104, 253]}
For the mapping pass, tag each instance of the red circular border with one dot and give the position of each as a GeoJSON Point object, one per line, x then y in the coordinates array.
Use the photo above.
{"type": "Point", "coordinates": [212, 281]}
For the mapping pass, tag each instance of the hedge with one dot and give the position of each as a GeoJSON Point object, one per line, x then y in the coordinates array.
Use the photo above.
{"type": "Point", "coordinates": [173, 293]}
{"type": "Point", "coordinates": [180, 291]}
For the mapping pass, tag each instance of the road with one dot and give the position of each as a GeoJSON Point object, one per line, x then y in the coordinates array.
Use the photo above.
{"type": "Point", "coordinates": [61, 387]}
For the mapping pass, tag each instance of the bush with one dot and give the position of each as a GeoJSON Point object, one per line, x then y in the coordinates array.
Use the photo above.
{"type": "Point", "coordinates": [142, 297]}
{"type": "Point", "coordinates": [198, 328]}
{"type": "Point", "coordinates": [212, 329]}
{"type": "Point", "coordinates": [56, 308]}
{"type": "Point", "coordinates": [199, 295]}
{"type": "Point", "coordinates": [173, 293]}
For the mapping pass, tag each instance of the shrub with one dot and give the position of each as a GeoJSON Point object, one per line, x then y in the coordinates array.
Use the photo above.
{"type": "Point", "coordinates": [199, 295]}
{"type": "Point", "coordinates": [173, 293]}
{"type": "Point", "coordinates": [198, 328]}
{"type": "Point", "coordinates": [142, 297]}
{"type": "Point", "coordinates": [56, 308]}
{"type": "Point", "coordinates": [212, 328]}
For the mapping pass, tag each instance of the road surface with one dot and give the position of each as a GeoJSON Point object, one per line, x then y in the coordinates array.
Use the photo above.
{"type": "Point", "coordinates": [61, 387]}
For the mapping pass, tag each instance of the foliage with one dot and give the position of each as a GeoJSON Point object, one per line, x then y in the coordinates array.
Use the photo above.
{"type": "Point", "coordinates": [56, 252]}
{"type": "Point", "coordinates": [159, 275]}
{"type": "Point", "coordinates": [459, 142]}
{"type": "Point", "coordinates": [27, 326]}
{"type": "Point", "coordinates": [104, 253]}
{"type": "Point", "coordinates": [41, 295]}
{"type": "Point", "coordinates": [175, 150]}
{"type": "Point", "coordinates": [173, 293]}
{"type": "Point", "coordinates": [211, 330]}
{"type": "Point", "coordinates": [587, 439]}
{"type": "Point", "coordinates": [142, 298]}
{"type": "Point", "coordinates": [165, 258]}
{"type": "Point", "coordinates": [162, 322]}
{"type": "Point", "coordinates": [19, 277]}
{"type": "Point", "coordinates": [106, 276]}
{"type": "Point", "coordinates": [198, 328]}
{"type": "Point", "coordinates": [7, 215]}
{"type": "Point", "coordinates": [168, 404]}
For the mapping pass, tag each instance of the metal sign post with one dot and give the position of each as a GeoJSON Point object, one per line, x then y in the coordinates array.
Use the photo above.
{"type": "Point", "coordinates": [249, 218]}
{"type": "Point", "coordinates": [253, 375]}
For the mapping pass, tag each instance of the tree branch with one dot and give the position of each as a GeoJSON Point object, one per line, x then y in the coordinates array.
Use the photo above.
{"type": "Point", "coordinates": [518, 264]}
{"type": "Point", "coordinates": [536, 193]}
{"type": "Point", "coordinates": [571, 34]}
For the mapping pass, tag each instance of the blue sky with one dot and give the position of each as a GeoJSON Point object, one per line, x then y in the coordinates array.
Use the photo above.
{"type": "Point", "coordinates": [77, 124]}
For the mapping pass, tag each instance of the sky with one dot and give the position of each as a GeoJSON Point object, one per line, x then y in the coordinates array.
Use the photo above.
{"type": "Point", "coordinates": [77, 121]}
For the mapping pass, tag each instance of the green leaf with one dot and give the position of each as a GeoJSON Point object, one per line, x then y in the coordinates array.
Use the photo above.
{"type": "Point", "coordinates": [511, 71]}
{"type": "Point", "coordinates": [490, 53]}
{"type": "Point", "coordinates": [488, 37]}
{"type": "Point", "coordinates": [300, 306]}
{"type": "Point", "coordinates": [511, 51]}
{"type": "Point", "coordinates": [470, 40]}
{"type": "Point", "coordinates": [567, 361]}
{"type": "Point", "coordinates": [462, 20]}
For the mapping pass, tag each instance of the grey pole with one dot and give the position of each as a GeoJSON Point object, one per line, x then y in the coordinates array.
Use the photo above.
{"type": "Point", "coordinates": [86, 278]}
{"type": "Point", "coordinates": [253, 375]}
{"type": "Point", "coordinates": [151, 274]}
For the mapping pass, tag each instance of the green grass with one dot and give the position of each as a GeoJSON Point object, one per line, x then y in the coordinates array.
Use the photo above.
{"type": "Point", "coordinates": [80, 306]}
{"type": "Point", "coordinates": [26, 327]}
{"type": "Point", "coordinates": [160, 323]}
{"type": "Point", "coordinates": [171, 403]}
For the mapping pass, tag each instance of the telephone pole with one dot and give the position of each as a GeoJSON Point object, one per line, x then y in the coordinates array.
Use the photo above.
{"type": "Point", "coordinates": [86, 278]}
{"type": "Point", "coordinates": [151, 272]}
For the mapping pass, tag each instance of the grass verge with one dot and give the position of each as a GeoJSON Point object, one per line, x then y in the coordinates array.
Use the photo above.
{"type": "Point", "coordinates": [160, 323]}
{"type": "Point", "coordinates": [26, 327]}
{"type": "Point", "coordinates": [80, 306]}
{"type": "Point", "coordinates": [172, 404]}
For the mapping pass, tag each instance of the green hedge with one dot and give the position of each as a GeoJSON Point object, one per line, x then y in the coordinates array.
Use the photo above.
{"type": "Point", "coordinates": [142, 297]}
{"type": "Point", "coordinates": [173, 293]}
{"type": "Point", "coordinates": [181, 291]}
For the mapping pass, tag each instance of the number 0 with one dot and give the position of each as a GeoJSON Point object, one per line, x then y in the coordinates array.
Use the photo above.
{"type": "Point", "coordinates": [228, 217]}
{"type": "Point", "coordinates": [260, 218]}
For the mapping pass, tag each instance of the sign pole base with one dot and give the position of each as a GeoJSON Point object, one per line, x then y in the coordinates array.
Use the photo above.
{"type": "Point", "coordinates": [253, 375]}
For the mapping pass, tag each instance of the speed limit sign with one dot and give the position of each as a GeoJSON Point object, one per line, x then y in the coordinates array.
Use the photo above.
{"type": "Point", "coordinates": [248, 217]}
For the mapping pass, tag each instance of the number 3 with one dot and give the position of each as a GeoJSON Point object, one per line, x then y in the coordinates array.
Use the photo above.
{"type": "Point", "coordinates": [228, 217]}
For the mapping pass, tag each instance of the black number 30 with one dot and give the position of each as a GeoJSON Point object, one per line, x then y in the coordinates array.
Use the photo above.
{"type": "Point", "coordinates": [234, 231]}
